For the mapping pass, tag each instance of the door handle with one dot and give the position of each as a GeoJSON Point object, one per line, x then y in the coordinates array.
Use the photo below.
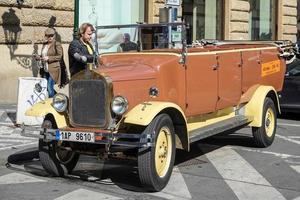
{"type": "Point", "coordinates": [215, 67]}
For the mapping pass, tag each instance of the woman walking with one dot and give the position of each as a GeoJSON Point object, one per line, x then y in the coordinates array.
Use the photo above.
{"type": "Point", "coordinates": [51, 57]}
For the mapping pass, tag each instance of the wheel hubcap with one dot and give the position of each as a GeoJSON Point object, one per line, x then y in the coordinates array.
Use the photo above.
{"type": "Point", "coordinates": [270, 122]}
{"type": "Point", "coordinates": [163, 151]}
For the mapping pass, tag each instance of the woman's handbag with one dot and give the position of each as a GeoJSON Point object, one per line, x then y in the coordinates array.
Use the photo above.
{"type": "Point", "coordinates": [64, 78]}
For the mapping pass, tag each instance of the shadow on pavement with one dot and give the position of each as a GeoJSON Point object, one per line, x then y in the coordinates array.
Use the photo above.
{"type": "Point", "coordinates": [28, 160]}
{"type": "Point", "coordinates": [120, 172]}
{"type": "Point", "coordinates": [124, 172]}
{"type": "Point", "coordinates": [205, 146]}
{"type": "Point", "coordinates": [23, 156]}
{"type": "Point", "coordinates": [290, 116]}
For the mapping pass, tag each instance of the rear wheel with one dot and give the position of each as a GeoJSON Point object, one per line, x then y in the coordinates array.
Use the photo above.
{"type": "Point", "coordinates": [264, 135]}
{"type": "Point", "coordinates": [155, 164]}
{"type": "Point", "coordinates": [55, 160]}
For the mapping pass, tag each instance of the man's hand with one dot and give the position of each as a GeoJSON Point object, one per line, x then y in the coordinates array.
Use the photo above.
{"type": "Point", "coordinates": [78, 57]}
{"type": "Point", "coordinates": [84, 59]}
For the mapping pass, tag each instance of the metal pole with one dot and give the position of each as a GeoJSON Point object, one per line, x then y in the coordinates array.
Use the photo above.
{"type": "Point", "coordinates": [76, 18]}
{"type": "Point", "coordinates": [170, 27]}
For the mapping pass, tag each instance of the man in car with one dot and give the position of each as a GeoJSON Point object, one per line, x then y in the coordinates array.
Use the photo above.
{"type": "Point", "coordinates": [127, 45]}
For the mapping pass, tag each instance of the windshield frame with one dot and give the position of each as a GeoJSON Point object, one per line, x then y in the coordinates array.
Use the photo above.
{"type": "Point", "coordinates": [139, 27]}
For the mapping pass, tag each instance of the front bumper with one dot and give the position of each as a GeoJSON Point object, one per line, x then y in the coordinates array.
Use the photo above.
{"type": "Point", "coordinates": [105, 137]}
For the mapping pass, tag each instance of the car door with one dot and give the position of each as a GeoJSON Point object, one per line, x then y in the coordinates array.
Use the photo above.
{"type": "Point", "coordinates": [290, 95]}
{"type": "Point", "coordinates": [229, 79]}
{"type": "Point", "coordinates": [201, 83]}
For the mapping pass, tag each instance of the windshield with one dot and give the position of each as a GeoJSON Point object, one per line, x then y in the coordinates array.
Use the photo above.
{"type": "Point", "coordinates": [138, 37]}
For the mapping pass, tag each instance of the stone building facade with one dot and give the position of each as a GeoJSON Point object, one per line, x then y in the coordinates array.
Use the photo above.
{"type": "Point", "coordinates": [21, 35]}
{"type": "Point", "coordinates": [22, 28]}
{"type": "Point", "coordinates": [236, 18]}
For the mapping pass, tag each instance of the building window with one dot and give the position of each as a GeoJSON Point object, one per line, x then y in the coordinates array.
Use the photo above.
{"type": "Point", "coordinates": [205, 18]}
{"type": "Point", "coordinates": [262, 20]}
{"type": "Point", "coordinates": [112, 12]}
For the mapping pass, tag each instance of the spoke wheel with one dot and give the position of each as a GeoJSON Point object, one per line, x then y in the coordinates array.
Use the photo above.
{"type": "Point", "coordinates": [55, 160]}
{"type": "Point", "coordinates": [163, 151]}
{"type": "Point", "coordinates": [155, 164]}
{"type": "Point", "coordinates": [64, 156]}
{"type": "Point", "coordinates": [270, 122]}
{"type": "Point", "coordinates": [264, 135]}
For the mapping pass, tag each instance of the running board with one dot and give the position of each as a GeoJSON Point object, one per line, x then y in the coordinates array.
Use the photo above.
{"type": "Point", "coordinates": [217, 128]}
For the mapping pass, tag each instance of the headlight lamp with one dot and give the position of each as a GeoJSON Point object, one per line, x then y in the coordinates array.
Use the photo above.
{"type": "Point", "coordinates": [60, 102]}
{"type": "Point", "coordinates": [119, 105]}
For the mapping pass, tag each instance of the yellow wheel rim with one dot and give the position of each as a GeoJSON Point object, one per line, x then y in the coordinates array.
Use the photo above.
{"type": "Point", "coordinates": [270, 122]}
{"type": "Point", "coordinates": [163, 151]}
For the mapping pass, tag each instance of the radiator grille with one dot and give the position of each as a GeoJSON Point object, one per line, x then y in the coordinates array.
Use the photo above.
{"type": "Point", "coordinates": [87, 103]}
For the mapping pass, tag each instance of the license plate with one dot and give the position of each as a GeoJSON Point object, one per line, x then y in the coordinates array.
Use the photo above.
{"type": "Point", "coordinates": [75, 136]}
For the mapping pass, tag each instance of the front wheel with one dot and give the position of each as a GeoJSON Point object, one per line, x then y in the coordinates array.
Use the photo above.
{"type": "Point", "coordinates": [55, 160]}
{"type": "Point", "coordinates": [264, 135]}
{"type": "Point", "coordinates": [155, 164]}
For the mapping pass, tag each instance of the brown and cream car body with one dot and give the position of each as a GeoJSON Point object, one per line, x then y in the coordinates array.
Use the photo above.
{"type": "Point", "coordinates": [165, 99]}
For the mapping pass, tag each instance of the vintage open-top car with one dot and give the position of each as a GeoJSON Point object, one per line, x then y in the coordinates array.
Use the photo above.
{"type": "Point", "coordinates": [163, 95]}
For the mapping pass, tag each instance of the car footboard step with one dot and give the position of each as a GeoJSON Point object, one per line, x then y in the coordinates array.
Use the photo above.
{"type": "Point", "coordinates": [217, 128]}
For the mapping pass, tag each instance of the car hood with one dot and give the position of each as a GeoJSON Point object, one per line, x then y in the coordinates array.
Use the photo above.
{"type": "Point", "coordinates": [128, 71]}
{"type": "Point", "coordinates": [133, 66]}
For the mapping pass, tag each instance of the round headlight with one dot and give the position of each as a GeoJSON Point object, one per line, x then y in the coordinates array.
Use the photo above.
{"type": "Point", "coordinates": [119, 105]}
{"type": "Point", "coordinates": [60, 102]}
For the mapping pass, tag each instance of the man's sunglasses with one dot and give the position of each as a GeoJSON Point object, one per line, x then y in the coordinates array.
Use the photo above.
{"type": "Point", "coordinates": [51, 35]}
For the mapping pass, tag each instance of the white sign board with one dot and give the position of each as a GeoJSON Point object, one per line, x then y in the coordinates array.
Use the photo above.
{"type": "Point", "coordinates": [31, 91]}
{"type": "Point", "coordinates": [173, 2]}
{"type": "Point", "coordinates": [176, 36]}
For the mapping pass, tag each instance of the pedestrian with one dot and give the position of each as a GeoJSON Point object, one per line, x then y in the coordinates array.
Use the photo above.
{"type": "Point", "coordinates": [81, 51]}
{"type": "Point", "coordinates": [51, 57]}
{"type": "Point", "coordinates": [127, 44]}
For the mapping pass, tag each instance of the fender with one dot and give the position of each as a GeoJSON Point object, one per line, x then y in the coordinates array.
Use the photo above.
{"type": "Point", "coordinates": [144, 113]}
{"type": "Point", "coordinates": [254, 108]}
{"type": "Point", "coordinates": [44, 108]}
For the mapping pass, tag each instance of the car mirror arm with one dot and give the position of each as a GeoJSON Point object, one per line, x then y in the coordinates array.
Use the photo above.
{"type": "Point", "coordinates": [96, 59]}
